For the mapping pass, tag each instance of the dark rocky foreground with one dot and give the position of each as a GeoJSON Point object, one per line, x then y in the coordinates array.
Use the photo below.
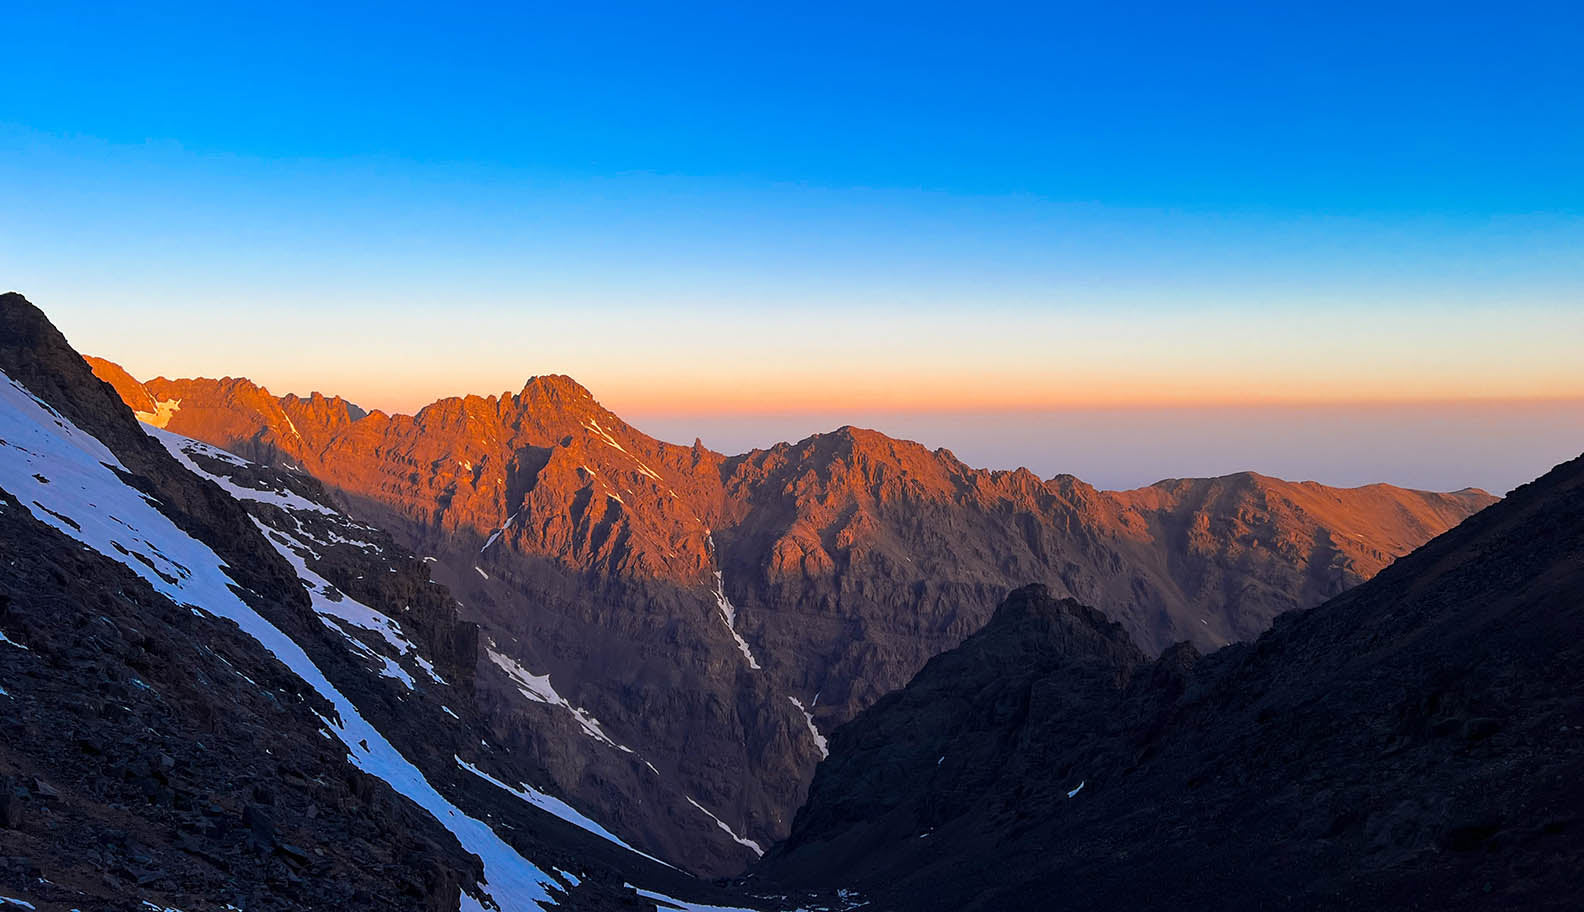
{"type": "Point", "coordinates": [1415, 743]}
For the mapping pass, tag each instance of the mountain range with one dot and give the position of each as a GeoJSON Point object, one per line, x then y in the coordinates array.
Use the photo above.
{"type": "Point", "coordinates": [512, 654]}
{"type": "Point", "coordinates": [714, 617]}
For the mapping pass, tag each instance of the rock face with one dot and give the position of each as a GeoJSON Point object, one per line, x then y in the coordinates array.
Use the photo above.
{"type": "Point", "coordinates": [216, 688]}
{"type": "Point", "coordinates": [716, 614]}
{"type": "Point", "coordinates": [1412, 743]}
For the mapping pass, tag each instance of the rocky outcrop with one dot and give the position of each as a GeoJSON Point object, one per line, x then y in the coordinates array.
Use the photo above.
{"type": "Point", "coordinates": [718, 614]}
{"type": "Point", "coordinates": [1411, 743]}
{"type": "Point", "coordinates": [132, 392]}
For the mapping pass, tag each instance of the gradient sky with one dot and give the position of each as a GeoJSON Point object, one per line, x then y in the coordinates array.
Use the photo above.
{"type": "Point", "coordinates": [764, 220]}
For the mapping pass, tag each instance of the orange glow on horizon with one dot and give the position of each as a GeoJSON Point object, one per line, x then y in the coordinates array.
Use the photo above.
{"type": "Point", "coordinates": [927, 362]}
{"type": "Point", "coordinates": [944, 397]}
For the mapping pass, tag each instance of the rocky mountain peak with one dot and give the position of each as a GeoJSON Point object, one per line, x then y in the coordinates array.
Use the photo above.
{"type": "Point", "coordinates": [1032, 620]}
{"type": "Point", "coordinates": [558, 389]}
{"type": "Point", "coordinates": [1031, 601]}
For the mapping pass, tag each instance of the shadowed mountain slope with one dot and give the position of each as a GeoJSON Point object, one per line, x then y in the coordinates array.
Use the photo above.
{"type": "Point", "coordinates": [1416, 742]}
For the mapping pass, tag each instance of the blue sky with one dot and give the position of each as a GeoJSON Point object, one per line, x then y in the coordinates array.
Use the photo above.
{"type": "Point", "coordinates": [1451, 108]}
{"type": "Point", "coordinates": [732, 209]}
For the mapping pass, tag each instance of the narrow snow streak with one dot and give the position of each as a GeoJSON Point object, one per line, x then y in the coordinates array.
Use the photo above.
{"type": "Point", "coordinates": [1078, 789]}
{"type": "Point", "coordinates": [594, 426]}
{"type": "Point", "coordinates": [749, 843]}
{"type": "Point", "coordinates": [105, 512]}
{"type": "Point", "coordinates": [729, 615]}
{"type": "Point", "coordinates": [819, 739]}
{"type": "Point", "coordinates": [537, 688]}
{"type": "Point", "coordinates": [553, 805]}
{"type": "Point", "coordinates": [682, 904]}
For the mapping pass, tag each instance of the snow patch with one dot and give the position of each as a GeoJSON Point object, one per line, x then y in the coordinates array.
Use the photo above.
{"type": "Point", "coordinates": [161, 416]}
{"type": "Point", "coordinates": [1078, 789]}
{"type": "Point", "coordinates": [428, 666]}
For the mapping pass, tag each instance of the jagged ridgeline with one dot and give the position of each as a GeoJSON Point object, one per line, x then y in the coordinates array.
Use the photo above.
{"type": "Point", "coordinates": [703, 621]}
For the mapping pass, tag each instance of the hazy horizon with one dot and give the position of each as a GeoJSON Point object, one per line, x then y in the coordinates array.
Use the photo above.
{"type": "Point", "coordinates": [1442, 446]}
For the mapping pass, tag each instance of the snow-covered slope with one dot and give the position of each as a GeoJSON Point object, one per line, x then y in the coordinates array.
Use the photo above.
{"type": "Point", "coordinates": [69, 480]}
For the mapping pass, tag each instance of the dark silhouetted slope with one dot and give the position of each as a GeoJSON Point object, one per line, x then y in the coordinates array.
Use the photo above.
{"type": "Point", "coordinates": [1416, 742]}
